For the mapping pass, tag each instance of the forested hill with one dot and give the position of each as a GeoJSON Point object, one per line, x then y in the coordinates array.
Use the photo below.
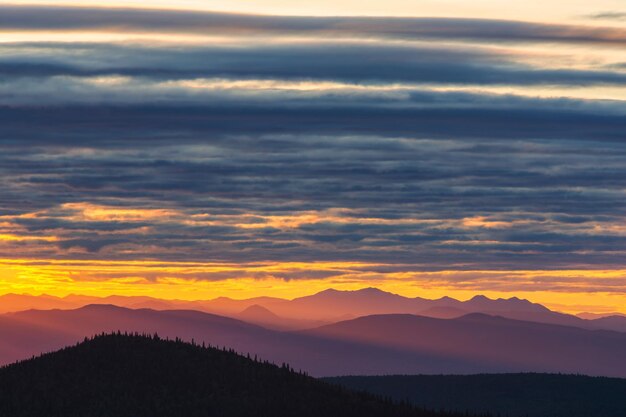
{"type": "Point", "coordinates": [137, 376]}
{"type": "Point", "coordinates": [512, 395]}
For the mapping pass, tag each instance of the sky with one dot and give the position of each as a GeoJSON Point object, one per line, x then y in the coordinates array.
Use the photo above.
{"type": "Point", "coordinates": [196, 149]}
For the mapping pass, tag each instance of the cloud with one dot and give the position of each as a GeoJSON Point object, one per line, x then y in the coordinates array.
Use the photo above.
{"type": "Point", "coordinates": [182, 192]}
{"type": "Point", "coordinates": [609, 16]}
{"type": "Point", "coordinates": [473, 117]}
{"type": "Point", "coordinates": [340, 62]}
{"type": "Point", "coordinates": [224, 24]}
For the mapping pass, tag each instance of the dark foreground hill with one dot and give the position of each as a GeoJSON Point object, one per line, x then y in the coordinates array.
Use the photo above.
{"type": "Point", "coordinates": [513, 395]}
{"type": "Point", "coordinates": [136, 376]}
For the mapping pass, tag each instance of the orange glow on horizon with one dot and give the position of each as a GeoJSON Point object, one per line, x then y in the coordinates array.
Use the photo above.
{"type": "Point", "coordinates": [193, 281]}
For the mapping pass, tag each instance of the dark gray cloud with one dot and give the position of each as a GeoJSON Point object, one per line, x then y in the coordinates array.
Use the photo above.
{"type": "Point", "coordinates": [353, 63]}
{"type": "Point", "coordinates": [73, 18]}
{"type": "Point", "coordinates": [460, 116]}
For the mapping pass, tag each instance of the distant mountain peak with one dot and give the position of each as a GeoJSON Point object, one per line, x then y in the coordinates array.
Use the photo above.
{"type": "Point", "coordinates": [480, 297]}
{"type": "Point", "coordinates": [484, 304]}
{"type": "Point", "coordinates": [365, 292]}
{"type": "Point", "coordinates": [483, 317]}
{"type": "Point", "coordinates": [107, 307]}
{"type": "Point", "coordinates": [222, 299]}
{"type": "Point", "coordinates": [330, 291]}
{"type": "Point", "coordinates": [258, 311]}
{"type": "Point", "coordinates": [372, 290]}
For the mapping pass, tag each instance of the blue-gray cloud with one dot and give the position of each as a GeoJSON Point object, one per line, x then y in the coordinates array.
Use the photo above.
{"type": "Point", "coordinates": [347, 62]}
{"type": "Point", "coordinates": [130, 20]}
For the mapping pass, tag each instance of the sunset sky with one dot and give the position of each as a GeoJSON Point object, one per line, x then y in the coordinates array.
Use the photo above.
{"type": "Point", "coordinates": [264, 147]}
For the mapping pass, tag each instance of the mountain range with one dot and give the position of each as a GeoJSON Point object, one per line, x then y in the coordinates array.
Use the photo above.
{"type": "Point", "coordinates": [368, 345]}
{"type": "Point", "coordinates": [327, 307]}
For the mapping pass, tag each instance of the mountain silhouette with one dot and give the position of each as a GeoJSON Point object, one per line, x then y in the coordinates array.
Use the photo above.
{"type": "Point", "coordinates": [510, 345]}
{"type": "Point", "coordinates": [258, 312]}
{"type": "Point", "coordinates": [371, 345]}
{"type": "Point", "coordinates": [18, 302]}
{"type": "Point", "coordinates": [615, 322]}
{"type": "Point", "coordinates": [326, 307]}
{"type": "Point", "coordinates": [262, 316]}
{"type": "Point", "coordinates": [135, 376]}
{"type": "Point", "coordinates": [443, 312]}
{"type": "Point", "coordinates": [333, 304]}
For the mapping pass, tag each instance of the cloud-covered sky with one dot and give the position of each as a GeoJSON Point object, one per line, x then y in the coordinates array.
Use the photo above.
{"type": "Point", "coordinates": [187, 153]}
